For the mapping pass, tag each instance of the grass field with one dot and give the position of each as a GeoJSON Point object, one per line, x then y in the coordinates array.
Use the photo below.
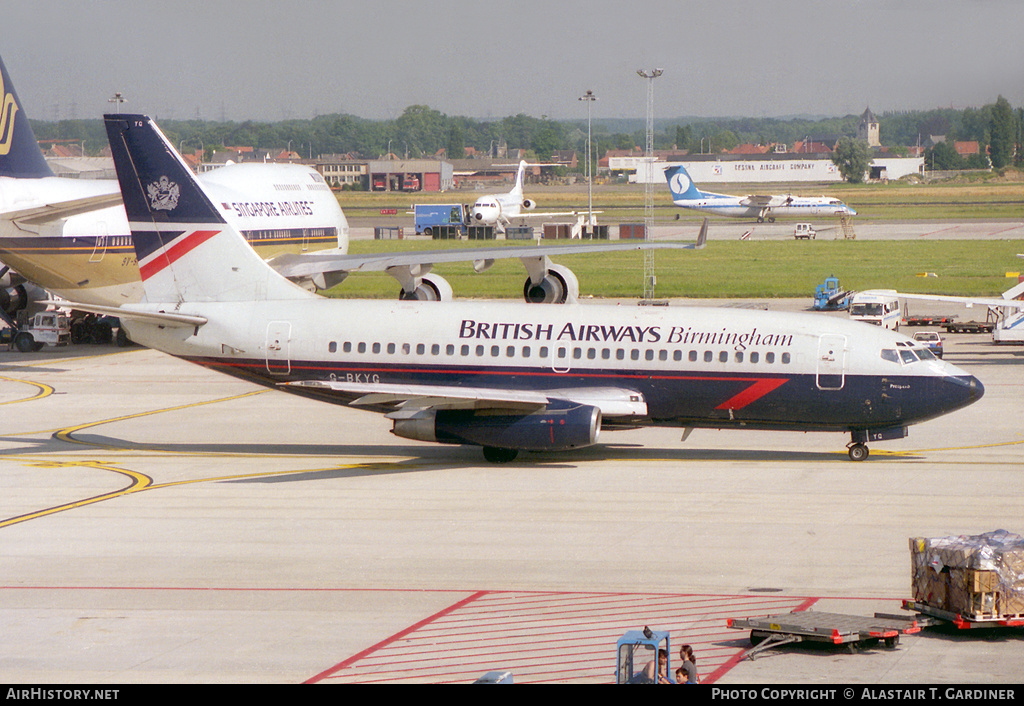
{"type": "Point", "coordinates": [735, 269]}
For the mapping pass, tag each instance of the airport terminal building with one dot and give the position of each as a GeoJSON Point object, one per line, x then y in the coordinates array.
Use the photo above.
{"type": "Point", "coordinates": [787, 167]}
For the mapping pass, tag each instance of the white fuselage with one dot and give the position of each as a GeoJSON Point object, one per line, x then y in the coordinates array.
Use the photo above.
{"type": "Point", "coordinates": [689, 366]}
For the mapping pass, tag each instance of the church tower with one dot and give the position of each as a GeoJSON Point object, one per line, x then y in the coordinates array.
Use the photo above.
{"type": "Point", "coordinates": [867, 130]}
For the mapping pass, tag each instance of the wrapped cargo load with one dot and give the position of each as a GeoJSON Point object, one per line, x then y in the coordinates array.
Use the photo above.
{"type": "Point", "coordinates": [979, 577]}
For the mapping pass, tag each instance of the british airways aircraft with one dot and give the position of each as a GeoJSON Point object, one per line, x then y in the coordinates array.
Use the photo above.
{"type": "Point", "coordinates": [686, 194]}
{"type": "Point", "coordinates": [71, 235]}
{"type": "Point", "coordinates": [506, 377]}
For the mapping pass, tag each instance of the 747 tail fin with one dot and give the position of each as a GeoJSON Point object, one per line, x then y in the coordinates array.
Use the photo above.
{"type": "Point", "coordinates": [20, 156]}
{"type": "Point", "coordinates": [186, 250]}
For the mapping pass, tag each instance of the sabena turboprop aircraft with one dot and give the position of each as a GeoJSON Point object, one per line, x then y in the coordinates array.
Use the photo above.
{"type": "Point", "coordinates": [506, 377]}
{"type": "Point", "coordinates": [686, 195]}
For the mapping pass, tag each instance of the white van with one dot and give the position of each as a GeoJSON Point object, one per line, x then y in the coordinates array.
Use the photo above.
{"type": "Point", "coordinates": [880, 307]}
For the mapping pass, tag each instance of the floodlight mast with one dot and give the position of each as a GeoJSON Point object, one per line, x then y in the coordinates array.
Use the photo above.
{"type": "Point", "coordinates": [589, 97]}
{"type": "Point", "coordinates": [649, 277]}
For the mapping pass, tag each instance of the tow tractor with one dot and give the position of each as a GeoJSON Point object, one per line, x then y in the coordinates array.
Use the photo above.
{"type": "Point", "coordinates": [47, 328]}
{"type": "Point", "coordinates": [638, 648]}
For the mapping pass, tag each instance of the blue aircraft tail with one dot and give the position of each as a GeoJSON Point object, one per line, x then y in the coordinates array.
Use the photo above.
{"type": "Point", "coordinates": [186, 250]}
{"type": "Point", "coordinates": [680, 184]}
{"type": "Point", "coordinates": [20, 156]}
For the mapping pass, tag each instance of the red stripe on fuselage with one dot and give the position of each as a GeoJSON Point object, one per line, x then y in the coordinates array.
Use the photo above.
{"type": "Point", "coordinates": [175, 252]}
{"type": "Point", "coordinates": [755, 392]}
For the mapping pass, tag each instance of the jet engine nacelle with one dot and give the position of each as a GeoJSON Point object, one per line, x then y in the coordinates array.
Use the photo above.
{"type": "Point", "coordinates": [528, 204]}
{"type": "Point", "coordinates": [13, 299]}
{"type": "Point", "coordinates": [431, 288]}
{"type": "Point", "coordinates": [559, 286]}
{"type": "Point", "coordinates": [562, 426]}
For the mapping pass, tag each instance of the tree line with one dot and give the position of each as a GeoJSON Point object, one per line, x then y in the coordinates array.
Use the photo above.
{"type": "Point", "coordinates": [422, 132]}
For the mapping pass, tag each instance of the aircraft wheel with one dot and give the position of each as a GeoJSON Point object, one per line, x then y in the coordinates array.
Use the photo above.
{"type": "Point", "coordinates": [771, 219]}
{"type": "Point", "coordinates": [858, 452]}
{"type": "Point", "coordinates": [25, 343]}
{"type": "Point", "coordinates": [496, 455]}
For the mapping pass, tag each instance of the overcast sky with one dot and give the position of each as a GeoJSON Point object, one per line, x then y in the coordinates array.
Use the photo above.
{"type": "Point", "coordinates": [266, 60]}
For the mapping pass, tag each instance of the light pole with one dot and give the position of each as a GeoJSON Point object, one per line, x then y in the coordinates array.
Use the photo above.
{"type": "Point", "coordinates": [117, 100]}
{"type": "Point", "coordinates": [649, 278]}
{"type": "Point", "coordinates": [589, 97]}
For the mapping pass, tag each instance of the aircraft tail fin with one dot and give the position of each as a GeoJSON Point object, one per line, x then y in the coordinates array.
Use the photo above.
{"type": "Point", "coordinates": [680, 184]}
{"type": "Point", "coordinates": [185, 249]}
{"type": "Point", "coordinates": [518, 188]}
{"type": "Point", "coordinates": [20, 156]}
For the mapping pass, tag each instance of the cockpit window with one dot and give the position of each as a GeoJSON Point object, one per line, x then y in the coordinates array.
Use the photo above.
{"type": "Point", "coordinates": [908, 356]}
{"type": "Point", "coordinates": [890, 355]}
{"type": "Point", "coordinates": [925, 354]}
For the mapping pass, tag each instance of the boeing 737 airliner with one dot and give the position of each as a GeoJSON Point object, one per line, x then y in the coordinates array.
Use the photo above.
{"type": "Point", "coordinates": [686, 195]}
{"type": "Point", "coordinates": [504, 376]}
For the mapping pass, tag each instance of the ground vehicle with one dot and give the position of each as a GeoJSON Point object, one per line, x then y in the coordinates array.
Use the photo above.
{"type": "Point", "coordinates": [804, 231]}
{"type": "Point", "coordinates": [428, 217]}
{"type": "Point", "coordinates": [635, 650]}
{"type": "Point", "coordinates": [880, 307]}
{"type": "Point", "coordinates": [930, 339]}
{"type": "Point", "coordinates": [829, 296]}
{"type": "Point", "coordinates": [51, 328]}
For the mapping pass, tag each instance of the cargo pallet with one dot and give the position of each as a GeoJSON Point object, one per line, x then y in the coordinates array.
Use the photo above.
{"type": "Point", "coordinates": [964, 622]}
{"type": "Point", "coordinates": [834, 628]}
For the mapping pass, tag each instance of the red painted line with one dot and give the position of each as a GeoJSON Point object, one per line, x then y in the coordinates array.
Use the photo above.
{"type": "Point", "coordinates": [397, 636]}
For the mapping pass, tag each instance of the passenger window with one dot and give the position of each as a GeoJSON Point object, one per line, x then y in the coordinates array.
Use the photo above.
{"type": "Point", "coordinates": [406, 349]}
{"type": "Point", "coordinates": [544, 351]}
{"type": "Point", "coordinates": [391, 349]}
{"type": "Point", "coordinates": [510, 351]}
{"type": "Point", "coordinates": [708, 356]}
{"type": "Point", "coordinates": [785, 358]}
{"type": "Point", "coordinates": [347, 347]}
{"type": "Point", "coordinates": [495, 351]}
{"type": "Point", "coordinates": [649, 354]}
{"type": "Point", "coordinates": [435, 349]}
{"type": "Point", "coordinates": [577, 353]}
{"type": "Point", "coordinates": [606, 353]}
{"type": "Point", "coordinates": [332, 347]}
{"type": "Point", "coordinates": [677, 355]}
{"type": "Point", "coordinates": [620, 354]}
{"type": "Point", "coordinates": [449, 349]}
{"type": "Point", "coordinates": [769, 358]}
{"type": "Point", "coordinates": [526, 351]}
{"type": "Point", "coordinates": [376, 348]}
{"type": "Point", "coordinates": [754, 357]}
{"type": "Point", "coordinates": [420, 349]}
{"type": "Point", "coordinates": [479, 351]}
{"type": "Point", "coordinates": [693, 356]}
{"type": "Point", "coordinates": [465, 350]}
{"type": "Point", "coordinates": [362, 347]}
{"type": "Point", "coordinates": [739, 356]}
{"type": "Point", "coordinates": [561, 352]}
{"type": "Point", "coordinates": [591, 353]}
{"type": "Point", "coordinates": [634, 354]}
{"type": "Point", "coordinates": [723, 356]}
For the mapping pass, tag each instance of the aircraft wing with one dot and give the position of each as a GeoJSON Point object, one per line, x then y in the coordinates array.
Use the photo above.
{"type": "Point", "coordinates": [410, 399]}
{"type": "Point", "coordinates": [48, 213]}
{"type": "Point", "coordinates": [329, 261]}
{"type": "Point", "coordinates": [756, 200]}
{"type": "Point", "coordinates": [966, 301]}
